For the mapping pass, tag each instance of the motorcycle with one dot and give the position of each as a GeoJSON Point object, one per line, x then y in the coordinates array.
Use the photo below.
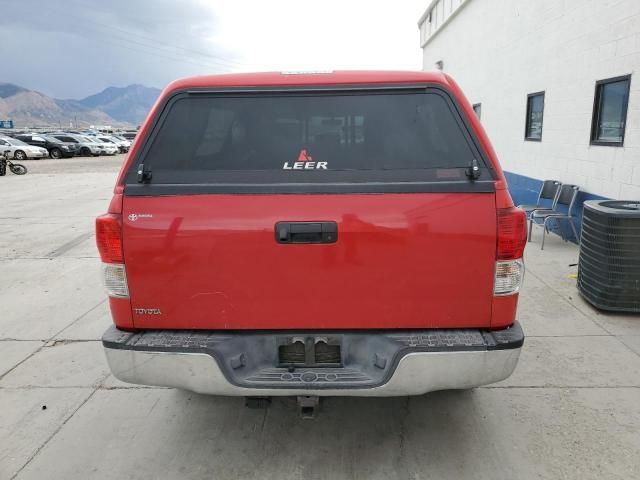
{"type": "Point", "coordinates": [16, 168]}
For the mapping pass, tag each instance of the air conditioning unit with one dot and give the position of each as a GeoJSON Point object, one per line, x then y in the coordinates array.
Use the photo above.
{"type": "Point", "coordinates": [609, 265]}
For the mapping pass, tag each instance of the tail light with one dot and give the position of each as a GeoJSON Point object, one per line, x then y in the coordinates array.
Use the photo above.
{"type": "Point", "coordinates": [109, 238]}
{"type": "Point", "coordinates": [511, 240]}
{"type": "Point", "coordinates": [509, 276]}
{"type": "Point", "coordinates": [109, 241]}
{"type": "Point", "coordinates": [512, 233]}
{"type": "Point", "coordinates": [115, 280]}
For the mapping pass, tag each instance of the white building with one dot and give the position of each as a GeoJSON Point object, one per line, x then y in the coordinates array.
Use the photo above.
{"type": "Point", "coordinates": [534, 70]}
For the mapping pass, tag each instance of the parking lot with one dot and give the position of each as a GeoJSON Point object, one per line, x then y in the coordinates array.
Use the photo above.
{"type": "Point", "coordinates": [571, 410]}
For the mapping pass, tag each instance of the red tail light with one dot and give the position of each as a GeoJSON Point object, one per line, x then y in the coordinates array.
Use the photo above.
{"type": "Point", "coordinates": [512, 233]}
{"type": "Point", "coordinates": [109, 238]}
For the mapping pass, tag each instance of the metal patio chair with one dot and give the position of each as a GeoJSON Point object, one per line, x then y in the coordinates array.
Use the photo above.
{"type": "Point", "coordinates": [542, 216]}
{"type": "Point", "coordinates": [549, 191]}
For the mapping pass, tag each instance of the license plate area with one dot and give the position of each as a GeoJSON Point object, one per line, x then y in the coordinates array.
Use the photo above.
{"type": "Point", "coordinates": [309, 351]}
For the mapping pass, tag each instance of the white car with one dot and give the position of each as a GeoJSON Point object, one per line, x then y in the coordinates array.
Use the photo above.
{"type": "Point", "coordinates": [105, 148]}
{"type": "Point", "coordinates": [20, 150]}
{"type": "Point", "coordinates": [123, 145]}
{"type": "Point", "coordinates": [123, 141]}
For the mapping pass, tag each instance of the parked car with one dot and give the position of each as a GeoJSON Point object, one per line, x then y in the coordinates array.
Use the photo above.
{"type": "Point", "coordinates": [129, 135]}
{"type": "Point", "coordinates": [84, 147]}
{"type": "Point", "coordinates": [122, 146]}
{"type": "Point", "coordinates": [350, 235]}
{"type": "Point", "coordinates": [55, 147]}
{"type": "Point", "coordinates": [123, 141]}
{"type": "Point", "coordinates": [20, 150]}
{"type": "Point", "coordinates": [106, 148]}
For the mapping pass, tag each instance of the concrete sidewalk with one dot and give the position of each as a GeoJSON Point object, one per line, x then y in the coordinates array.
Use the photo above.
{"type": "Point", "coordinates": [571, 410]}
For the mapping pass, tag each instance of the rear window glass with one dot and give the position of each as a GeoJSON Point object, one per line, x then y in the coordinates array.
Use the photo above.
{"type": "Point", "coordinates": [349, 132]}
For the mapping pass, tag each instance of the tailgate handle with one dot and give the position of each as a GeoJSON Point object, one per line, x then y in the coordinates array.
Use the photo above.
{"type": "Point", "coordinates": [306, 232]}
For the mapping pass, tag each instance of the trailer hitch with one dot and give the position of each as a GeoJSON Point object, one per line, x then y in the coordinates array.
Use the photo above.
{"type": "Point", "coordinates": [308, 406]}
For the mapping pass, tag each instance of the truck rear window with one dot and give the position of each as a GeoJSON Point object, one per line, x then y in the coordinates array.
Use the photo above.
{"type": "Point", "coordinates": [275, 138]}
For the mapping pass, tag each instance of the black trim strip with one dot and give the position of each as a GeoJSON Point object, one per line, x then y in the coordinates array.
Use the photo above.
{"type": "Point", "coordinates": [349, 89]}
{"type": "Point", "coordinates": [508, 338]}
{"type": "Point", "coordinates": [144, 190]}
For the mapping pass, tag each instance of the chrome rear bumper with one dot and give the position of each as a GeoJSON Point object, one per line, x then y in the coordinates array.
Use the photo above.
{"type": "Point", "coordinates": [374, 364]}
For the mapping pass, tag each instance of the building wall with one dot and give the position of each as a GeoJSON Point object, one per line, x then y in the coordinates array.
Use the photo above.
{"type": "Point", "coordinates": [500, 51]}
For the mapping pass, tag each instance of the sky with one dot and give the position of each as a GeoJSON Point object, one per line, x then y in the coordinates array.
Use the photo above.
{"type": "Point", "coordinates": [75, 48]}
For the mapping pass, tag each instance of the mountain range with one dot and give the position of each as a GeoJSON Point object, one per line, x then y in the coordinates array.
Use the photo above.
{"type": "Point", "coordinates": [116, 106]}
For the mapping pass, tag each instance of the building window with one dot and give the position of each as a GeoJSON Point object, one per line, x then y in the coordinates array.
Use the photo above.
{"type": "Point", "coordinates": [610, 111]}
{"type": "Point", "coordinates": [477, 107]}
{"type": "Point", "coordinates": [535, 113]}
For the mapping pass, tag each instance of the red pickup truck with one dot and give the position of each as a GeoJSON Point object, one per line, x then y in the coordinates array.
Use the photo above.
{"type": "Point", "coordinates": [342, 233]}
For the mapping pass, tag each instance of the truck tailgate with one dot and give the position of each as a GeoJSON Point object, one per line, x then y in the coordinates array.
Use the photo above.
{"type": "Point", "coordinates": [416, 260]}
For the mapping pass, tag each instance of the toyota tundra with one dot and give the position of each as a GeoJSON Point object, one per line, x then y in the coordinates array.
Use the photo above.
{"type": "Point", "coordinates": [312, 234]}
